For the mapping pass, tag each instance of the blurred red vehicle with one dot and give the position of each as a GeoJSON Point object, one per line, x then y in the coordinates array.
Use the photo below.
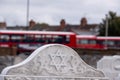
{"type": "Point", "coordinates": [31, 40]}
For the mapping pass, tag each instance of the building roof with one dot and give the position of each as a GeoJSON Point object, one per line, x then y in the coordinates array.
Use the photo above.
{"type": "Point", "coordinates": [16, 28]}
{"type": "Point", "coordinates": [82, 28]}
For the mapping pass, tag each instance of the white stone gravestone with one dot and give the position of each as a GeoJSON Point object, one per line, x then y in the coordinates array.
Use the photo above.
{"type": "Point", "coordinates": [52, 62]}
{"type": "Point", "coordinates": [118, 77]}
{"type": "Point", "coordinates": [110, 65]}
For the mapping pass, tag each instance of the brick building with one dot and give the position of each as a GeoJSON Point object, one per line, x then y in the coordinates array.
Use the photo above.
{"type": "Point", "coordinates": [3, 25]}
{"type": "Point", "coordinates": [83, 28]}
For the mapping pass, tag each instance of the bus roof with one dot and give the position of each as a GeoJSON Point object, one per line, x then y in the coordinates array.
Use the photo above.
{"type": "Point", "coordinates": [109, 38]}
{"type": "Point", "coordinates": [35, 32]}
{"type": "Point", "coordinates": [86, 36]}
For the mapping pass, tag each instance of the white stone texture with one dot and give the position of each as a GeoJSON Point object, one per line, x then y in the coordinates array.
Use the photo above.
{"type": "Point", "coordinates": [6, 61]}
{"type": "Point", "coordinates": [19, 58]}
{"type": "Point", "coordinates": [110, 65]}
{"type": "Point", "coordinates": [52, 62]}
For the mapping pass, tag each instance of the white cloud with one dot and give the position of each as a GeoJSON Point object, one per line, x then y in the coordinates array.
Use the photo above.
{"type": "Point", "coordinates": [51, 12]}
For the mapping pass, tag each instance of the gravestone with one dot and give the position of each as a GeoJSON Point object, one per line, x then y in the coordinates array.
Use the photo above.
{"type": "Point", "coordinates": [118, 77]}
{"type": "Point", "coordinates": [52, 62]}
{"type": "Point", "coordinates": [110, 65]}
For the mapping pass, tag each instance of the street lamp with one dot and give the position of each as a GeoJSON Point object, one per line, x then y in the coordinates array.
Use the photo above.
{"type": "Point", "coordinates": [106, 32]}
{"type": "Point", "coordinates": [27, 14]}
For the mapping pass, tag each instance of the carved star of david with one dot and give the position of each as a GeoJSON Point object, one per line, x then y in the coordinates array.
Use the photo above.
{"type": "Point", "coordinates": [58, 56]}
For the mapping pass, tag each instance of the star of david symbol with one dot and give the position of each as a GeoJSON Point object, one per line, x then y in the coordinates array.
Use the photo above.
{"type": "Point", "coordinates": [58, 60]}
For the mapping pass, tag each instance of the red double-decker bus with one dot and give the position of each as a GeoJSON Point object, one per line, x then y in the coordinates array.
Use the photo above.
{"type": "Point", "coordinates": [30, 40]}
{"type": "Point", "coordinates": [97, 42]}
{"type": "Point", "coordinates": [86, 41]}
{"type": "Point", "coordinates": [108, 42]}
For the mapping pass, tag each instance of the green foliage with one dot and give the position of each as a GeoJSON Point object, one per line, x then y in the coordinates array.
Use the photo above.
{"type": "Point", "coordinates": [113, 25]}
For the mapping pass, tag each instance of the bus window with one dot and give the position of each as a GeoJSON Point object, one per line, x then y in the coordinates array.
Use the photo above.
{"type": "Point", "coordinates": [100, 42]}
{"type": "Point", "coordinates": [49, 39]}
{"type": "Point", "coordinates": [4, 38]}
{"type": "Point", "coordinates": [62, 39]}
{"type": "Point", "coordinates": [16, 38]}
{"type": "Point", "coordinates": [55, 37]}
{"type": "Point", "coordinates": [117, 43]}
{"type": "Point", "coordinates": [83, 41]}
{"type": "Point", "coordinates": [58, 39]}
{"type": "Point", "coordinates": [67, 39]}
{"type": "Point", "coordinates": [92, 41]}
{"type": "Point", "coordinates": [39, 39]}
{"type": "Point", "coordinates": [28, 38]}
{"type": "Point", "coordinates": [108, 42]}
{"type": "Point", "coordinates": [111, 43]}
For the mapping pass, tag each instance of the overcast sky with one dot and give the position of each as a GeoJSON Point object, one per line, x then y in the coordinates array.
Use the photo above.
{"type": "Point", "coordinates": [52, 11]}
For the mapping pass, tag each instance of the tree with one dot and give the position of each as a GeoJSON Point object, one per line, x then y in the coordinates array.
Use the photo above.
{"type": "Point", "coordinates": [113, 25]}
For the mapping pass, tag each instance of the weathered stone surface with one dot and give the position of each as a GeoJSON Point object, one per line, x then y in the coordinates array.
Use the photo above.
{"type": "Point", "coordinates": [6, 61]}
{"type": "Point", "coordinates": [110, 65]}
{"type": "Point", "coordinates": [52, 62]}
